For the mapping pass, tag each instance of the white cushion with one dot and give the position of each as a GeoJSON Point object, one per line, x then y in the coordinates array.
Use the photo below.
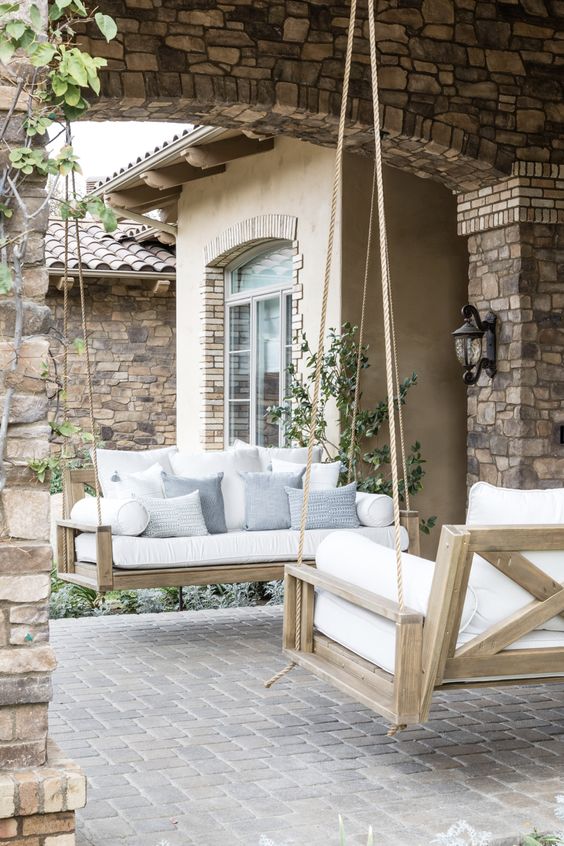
{"type": "Point", "coordinates": [125, 516]}
{"type": "Point", "coordinates": [372, 566]}
{"type": "Point", "coordinates": [498, 596]}
{"type": "Point", "coordinates": [147, 482]}
{"type": "Point", "coordinates": [267, 454]}
{"type": "Point", "coordinates": [123, 462]}
{"type": "Point", "coordinates": [323, 476]}
{"type": "Point", "coordinates": [374, 509]}
{"type": "Point", "coordinates": [229, 548]}
{"type": "Point", "coordinates": [228, 462]}
{"type": "Point", "coordinates": [491, 506]}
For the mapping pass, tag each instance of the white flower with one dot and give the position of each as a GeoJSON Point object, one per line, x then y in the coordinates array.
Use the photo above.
{"type": "Point", "coordinates": [462, 834]}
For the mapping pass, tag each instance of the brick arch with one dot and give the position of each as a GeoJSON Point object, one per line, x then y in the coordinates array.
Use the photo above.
{"type": "Point", "coordinates": [218, 254]}
{"type": "Point", "coordinates": [234, 240]}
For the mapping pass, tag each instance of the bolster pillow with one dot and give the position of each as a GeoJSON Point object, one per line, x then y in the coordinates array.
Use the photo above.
{"type": "Point", "coordinates": [125, 516]}
{"type": "Point", "coordinates": [375, 510]}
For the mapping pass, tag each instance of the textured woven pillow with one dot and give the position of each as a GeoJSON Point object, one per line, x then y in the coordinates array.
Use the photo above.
{"type": "Point", "coordinates": [180, 517]}
{"type": "Point", "coordinates": [266, 502]}
{"type": "Point", "coordinates": [211, 497]}
{"type": "Point", "coordinates": [330, 509]}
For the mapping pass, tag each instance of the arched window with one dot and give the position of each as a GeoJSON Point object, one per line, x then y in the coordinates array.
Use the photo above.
{"type": "Point", "coordinates": [258, 331]}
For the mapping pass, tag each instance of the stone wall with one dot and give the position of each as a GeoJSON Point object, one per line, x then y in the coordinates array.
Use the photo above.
{"type": "Point", "coordinates": [517, 270]}
{"type": "Point", "coordinates": [480, 82]}
{"type": "Point", "coordinates": [132, 345]}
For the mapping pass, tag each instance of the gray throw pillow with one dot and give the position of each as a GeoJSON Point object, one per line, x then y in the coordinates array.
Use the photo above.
{"type": "Point", "coordinates": [330, 509]}
{"type": "Point", "coordinates": [211, 497]}
{"type": "Point", "coordinates": [180, 517]}
{"type": "Point", "coordinates": [266, 501]}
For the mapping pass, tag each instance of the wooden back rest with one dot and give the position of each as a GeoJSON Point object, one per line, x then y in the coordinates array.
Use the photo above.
{"type": "Point", "coordinates": [74, 482]}
{"type": "Point", "coordinates": [450, 582]}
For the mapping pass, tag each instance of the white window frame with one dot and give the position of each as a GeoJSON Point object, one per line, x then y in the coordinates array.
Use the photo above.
{"type": "Point", "coordinates": [253, 297]}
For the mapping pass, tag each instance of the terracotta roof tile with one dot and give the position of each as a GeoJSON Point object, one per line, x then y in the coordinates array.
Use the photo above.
{"type": "Point", "coordinates": [117, 251]}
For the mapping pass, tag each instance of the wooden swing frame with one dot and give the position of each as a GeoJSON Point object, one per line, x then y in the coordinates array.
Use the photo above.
{"type": "Point", "coordinates": [103, 576]}
{"type": "Point", "coordinates": [427, 658]}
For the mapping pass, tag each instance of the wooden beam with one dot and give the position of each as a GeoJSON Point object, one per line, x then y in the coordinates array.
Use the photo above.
{"type": "Point", "coordinates": [178, 174]}
{"type": "Point", "coordinates": [60, 283]}
{"type": "Point", "coordinates": [221, 152]}
{"type": "Point", "coordinates": [136, 198]}
{"type": "Point", "coordinates": [169, 228]}
{"type": "Point", "coordinates": [160, 288]}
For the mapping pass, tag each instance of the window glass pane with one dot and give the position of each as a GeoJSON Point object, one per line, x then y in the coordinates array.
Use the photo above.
{"type": "Point", "coordinates": [239, 376]}
{"type": "Point", "coordinates": [240, 327]}
{"type": "Point", "coordinates": [239, 421]}
{"type": "Point", "coordinates": [268, 368]}
{"type": "Point", "coordinates": [263, 271]}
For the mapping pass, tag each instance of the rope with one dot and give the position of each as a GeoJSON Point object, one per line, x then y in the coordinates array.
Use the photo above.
{"type": "Point", "coordinates": [87, 359]}
{"type": "Point", "coordinates": [65, 362]}
{"type": "Point", "coordinates": [384, 264]}
{"type": "Point", "coordinates": [337, 183]}
{"type": "Point", "coordinates": [361, 327]}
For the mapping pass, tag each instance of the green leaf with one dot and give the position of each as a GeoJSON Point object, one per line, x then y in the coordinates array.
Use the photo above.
{"type": "Point", "coordinates": [65, 429]}
{"type": "Point", "coordinates": [58, 85]}
{"type": "Point", "coordinates": [5, 279]}
{"type": "Point", "coordinates": [79, 345]}
{"type": "Point", "coordinates": [77, 71]}
{"type": "Point", "coordinates": [80, 7]}
{"type": "Point", "coordinates": [106, 25]}
{"type": "Point", "coordinates": [72, 95]}
{"type": "Point", "coordinates": [35, 17]}
{"type": "Point", "coordinates": [16, 29]}
{"type": "Point", "coordinates": [41, 54]}
{"type": "Point", "coordinates": [8, 8]}
{"type": "Point", "coordinates": [7, 50]}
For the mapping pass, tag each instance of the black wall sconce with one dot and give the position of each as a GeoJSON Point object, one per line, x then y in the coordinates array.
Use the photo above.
{"type": "Point", "coordinates": [468, 341]}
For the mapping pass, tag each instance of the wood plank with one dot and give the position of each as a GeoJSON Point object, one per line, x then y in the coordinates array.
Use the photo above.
{"type": "Point", "coordinates": [187, 576]}
{"type": "Point", "coordinates": [358, 691]}
{"type": "Point", "coordinates": [510, 538]}
{"type": "Point", "coordinates": [308, 597]}
{"type": "Point", "coordinates": [289, 629]}
{"type": "Point", "coordinates": [358, 596]}
{"type": "Point", "coordinates": [511, 662]}
{"type": "Point", "coordinates": [89, 528]}
{"type": "Point", "coordinates": [524, 573]}
{"type": "Point", "coordinates": [140, 198]}
{"type": "Point", "coordinates": [410, 521]}
{"type": "Point", "coordinates": [511, 628]}
{"type": "Point", "coordinates": [75, 579]}
{"type": "Point", "coordinates": [104, 558]}
{"type": "Point", "coordinates": [175, 175]}
{"type": "Point", "coordinates": [442, 609]}
{"type": "Point", "coordinates": [221, 152]}
{"type": "Point", "coordinates": [409, 670]}
{"type": "Point", "coordinates": [364, 670]}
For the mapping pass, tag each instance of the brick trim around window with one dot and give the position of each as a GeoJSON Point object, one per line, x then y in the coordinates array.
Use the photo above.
{"type": "Point", "coordinates": [218, 253]}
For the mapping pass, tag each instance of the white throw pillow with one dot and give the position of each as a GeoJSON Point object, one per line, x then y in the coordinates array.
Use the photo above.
{"type": "Point", "coordinates": [122, 462]}
{"type": "Point", "coordinates": [148, 482]}
{"type": "Point", "coordinates": [297, 455]}
{"type": "Point", "coordinates": [125, 516]}
{"type": "Point", "coordinates": [499, 596]}
{"type": "Point", "coordinates": [323, 476]}
{"type": "Point", "coordinates": [228, 462]}
{"type": "Point", "coordinates": [376, 510]}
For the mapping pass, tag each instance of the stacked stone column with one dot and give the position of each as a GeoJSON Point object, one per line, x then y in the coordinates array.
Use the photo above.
{"type": "Point", "coordinates": [39, 790]}
{"type": "Point", "coordinates": [516, 247]}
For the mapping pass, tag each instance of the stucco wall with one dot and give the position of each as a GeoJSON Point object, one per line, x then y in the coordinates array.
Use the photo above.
{"type": "Point", "coordinates": [293, 179]}
{"type": "Point", "coordinates": [429, 266]}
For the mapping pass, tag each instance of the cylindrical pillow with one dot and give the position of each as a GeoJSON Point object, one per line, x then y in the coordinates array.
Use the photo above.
{"type": "Point", "coordinates": [125, 516]}
{"type": "Point", "coordinates": [375, 510]}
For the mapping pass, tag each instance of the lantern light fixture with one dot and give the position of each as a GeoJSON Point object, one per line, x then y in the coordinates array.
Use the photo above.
{"type": "Point", "coordinates": [469, 343]}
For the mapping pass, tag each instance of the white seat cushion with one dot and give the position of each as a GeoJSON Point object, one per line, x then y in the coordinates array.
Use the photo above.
{"type": "Point", "coordinates": [323, 476]}
{"type": "Point", "coordinates": [298, 455]}
{"type": "Point", "coordinates": [231, 548]}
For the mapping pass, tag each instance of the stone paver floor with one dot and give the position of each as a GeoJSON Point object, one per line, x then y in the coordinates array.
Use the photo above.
{"type": "Point", "coordinates": [181, 742]}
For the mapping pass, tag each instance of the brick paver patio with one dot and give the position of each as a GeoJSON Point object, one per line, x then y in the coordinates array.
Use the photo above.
{"type": "Point", "coordinates": [168, 715]}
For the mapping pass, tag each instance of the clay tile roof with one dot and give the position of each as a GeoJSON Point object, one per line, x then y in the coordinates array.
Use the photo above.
{"type": "Point", "coordinates": [116, 251]}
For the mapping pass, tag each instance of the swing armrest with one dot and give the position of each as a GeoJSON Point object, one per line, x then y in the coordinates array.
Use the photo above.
{"type": "Point", "coordinates": [82, 527]}
{"type": "Point", "coordinates": [358, 596]}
